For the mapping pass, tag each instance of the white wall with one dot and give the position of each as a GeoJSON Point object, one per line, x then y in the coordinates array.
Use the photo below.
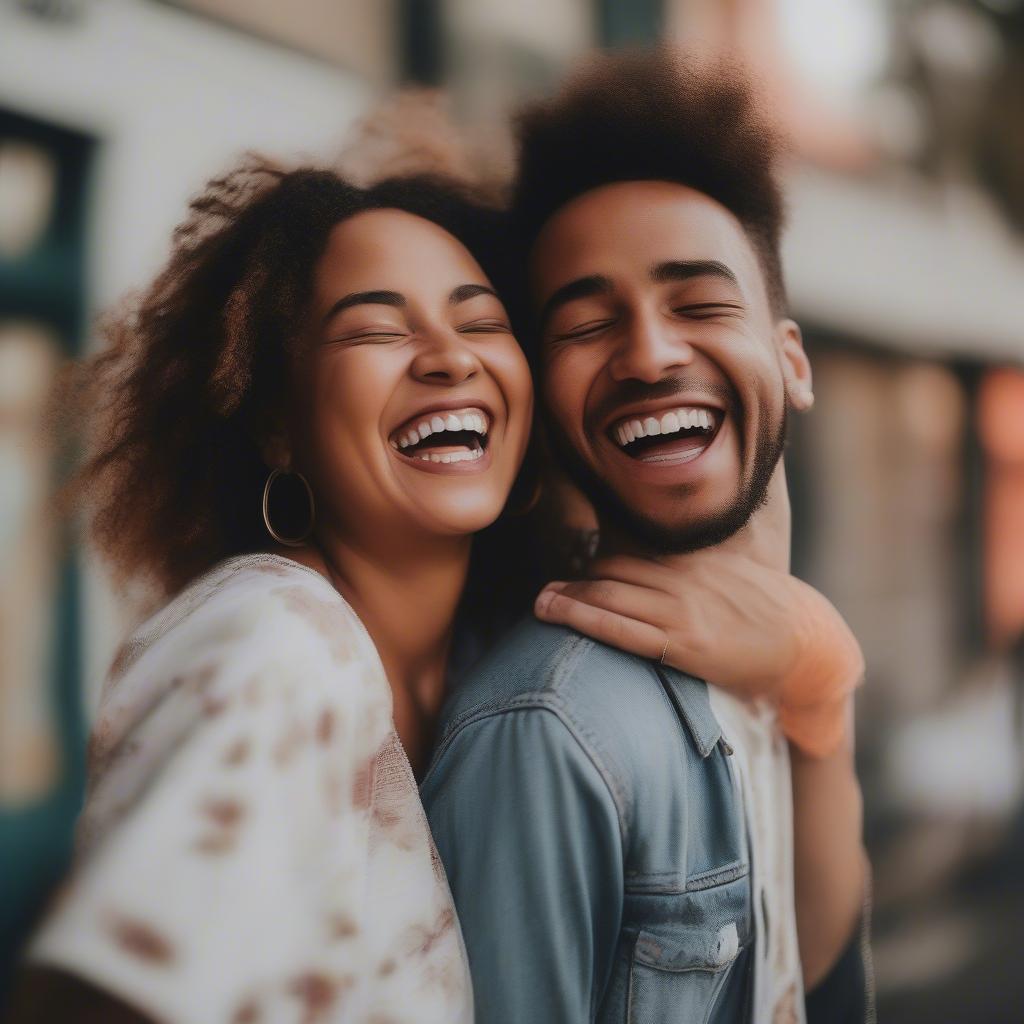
{"type": "Point", "coordinates": [171, 99]}
{"type": "Point", "coordinates": [931, 272]}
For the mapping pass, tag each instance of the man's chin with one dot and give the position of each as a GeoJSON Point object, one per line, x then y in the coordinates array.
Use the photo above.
{"type": "Point", "coordinates": [638, 529]}
{"type": "Point", "coordinates": [670, 536]}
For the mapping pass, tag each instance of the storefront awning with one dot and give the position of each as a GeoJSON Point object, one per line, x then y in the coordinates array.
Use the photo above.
{"type": "Point", "coordinates": [918, 271]}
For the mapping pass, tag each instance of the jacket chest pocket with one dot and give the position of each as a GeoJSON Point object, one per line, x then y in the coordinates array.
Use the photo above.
{"type": "Point", "coordinates": [685, 952]}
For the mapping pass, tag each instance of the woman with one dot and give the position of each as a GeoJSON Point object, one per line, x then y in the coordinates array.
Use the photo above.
{"type": "Point", "coordinates": [307, 417]}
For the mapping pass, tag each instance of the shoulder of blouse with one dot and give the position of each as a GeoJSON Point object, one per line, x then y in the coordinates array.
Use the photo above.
{"type": "Point", "coordinates": [253, 613]}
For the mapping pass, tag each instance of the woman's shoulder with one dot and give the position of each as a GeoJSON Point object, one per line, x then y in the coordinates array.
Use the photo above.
{"type": "Point", "coordinates": [250, 603]}
{"type": "Point", "coordinates": [255, 632]}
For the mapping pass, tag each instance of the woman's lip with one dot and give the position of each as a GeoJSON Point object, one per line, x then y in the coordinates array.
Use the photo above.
{"type": "Point", "coordinates": [443, 409]}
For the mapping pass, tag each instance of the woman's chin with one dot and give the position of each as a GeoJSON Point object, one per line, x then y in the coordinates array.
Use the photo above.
{"type": "Point", "coordinates": [458, 515]}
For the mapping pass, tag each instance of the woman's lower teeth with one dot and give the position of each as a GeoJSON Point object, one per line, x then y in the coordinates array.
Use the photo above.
{"type": "Point", "coordinates": [466, 456]}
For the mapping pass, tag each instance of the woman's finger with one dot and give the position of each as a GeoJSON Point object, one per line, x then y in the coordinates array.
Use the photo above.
{"type": "Point", "coordinates": [655, 607]}
{"type": "Point", "coordinates": [601, 624]}
{"type": "Point", "coordinates": [641, 572]}
{"type": "Point", "coordinates": [709, 569]}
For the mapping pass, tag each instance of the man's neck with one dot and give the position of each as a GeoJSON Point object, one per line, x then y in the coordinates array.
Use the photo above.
{"type": "Point", "coordinates": [765, 539]}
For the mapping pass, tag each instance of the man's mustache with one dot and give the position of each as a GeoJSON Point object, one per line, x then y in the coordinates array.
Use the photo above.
{"type": "Point", "coordinates": [632, 392]}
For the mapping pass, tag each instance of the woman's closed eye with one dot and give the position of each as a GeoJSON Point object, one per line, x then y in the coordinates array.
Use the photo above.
{"type": "Point", "coordinates": [377, 334]}
{"type": "Point", "coordinates": [489, 325]}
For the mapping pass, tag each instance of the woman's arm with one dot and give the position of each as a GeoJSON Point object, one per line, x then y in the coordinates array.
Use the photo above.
{"type": "Point", "coordinates": [45, 995]}
{"type": "Point", "coordinates": [829, 857]}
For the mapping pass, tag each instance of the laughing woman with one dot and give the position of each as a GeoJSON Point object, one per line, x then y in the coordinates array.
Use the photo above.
{"type": "Point", "coordinates": [309, 414]}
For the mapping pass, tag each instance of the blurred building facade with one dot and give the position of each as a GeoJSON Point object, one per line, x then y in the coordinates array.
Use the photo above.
{"type": "Point", "coordinates": [110, 116]}
{"type": "Point", "coordinates": [905, 263]}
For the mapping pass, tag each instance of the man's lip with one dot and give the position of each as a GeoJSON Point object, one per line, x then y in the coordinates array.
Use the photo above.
{"type": "Point", "coordinates": [665, 472]}
{"type": "Point", "coordinates": [463, 404]}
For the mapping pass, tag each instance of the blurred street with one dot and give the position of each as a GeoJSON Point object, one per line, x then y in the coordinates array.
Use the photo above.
{"type": "Point", "coordinates": [905, 269]}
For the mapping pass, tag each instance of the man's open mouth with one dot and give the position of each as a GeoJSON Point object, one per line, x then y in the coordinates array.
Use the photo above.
{"type": "Point", "coordinates": [675, 435]}
{"type": "Point", "coordinates": [456, 436]}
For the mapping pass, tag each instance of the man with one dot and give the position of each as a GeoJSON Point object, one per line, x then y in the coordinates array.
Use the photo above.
{"type": "Point", "coordinates": [619, 840]}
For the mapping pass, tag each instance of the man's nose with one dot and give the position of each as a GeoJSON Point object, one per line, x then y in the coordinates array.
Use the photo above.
{"type": "Point", "coordinates": [446, 358]}
{"type": "Point", "coordinates": [649, 348]}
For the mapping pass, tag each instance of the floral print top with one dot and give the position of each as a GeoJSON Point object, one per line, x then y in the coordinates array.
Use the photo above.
{"type": "Point", "coordinates": [253, 848]}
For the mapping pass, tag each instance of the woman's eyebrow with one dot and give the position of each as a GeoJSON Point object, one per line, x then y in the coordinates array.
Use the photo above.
{"type": "Point", "coordinates": [469, 291]}
{"type": "Point", "coordinates": [365, 299]}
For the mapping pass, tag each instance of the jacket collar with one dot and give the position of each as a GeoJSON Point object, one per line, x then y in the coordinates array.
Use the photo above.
{"type": "Point", "coordinates": [690, 697]}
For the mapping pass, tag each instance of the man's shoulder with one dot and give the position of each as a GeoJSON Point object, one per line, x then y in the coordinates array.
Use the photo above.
{"type": "Point", "coordinates": [616, 704]}
{"type": "Point", "coordinates": [645, 728]}
{"type": "Point", "coordinates": [537, 664]}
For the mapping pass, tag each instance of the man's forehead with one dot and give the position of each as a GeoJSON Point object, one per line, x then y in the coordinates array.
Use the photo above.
{"type": "Point", "coordinates": [630, 227]}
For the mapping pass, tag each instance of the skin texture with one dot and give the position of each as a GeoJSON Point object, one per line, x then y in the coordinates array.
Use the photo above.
{"type": "Point", "coordinates": [392, 534]}
{"type": "Point", "coordinates": [649, 341]}
{"type": "Point", "coordinates": [711, 340]}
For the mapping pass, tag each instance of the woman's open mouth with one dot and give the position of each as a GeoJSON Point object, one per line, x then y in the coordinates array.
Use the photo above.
{"type": "Point", "coordinates": [673, 436]}
{"type": "Point", "coordinates": [444, 437]}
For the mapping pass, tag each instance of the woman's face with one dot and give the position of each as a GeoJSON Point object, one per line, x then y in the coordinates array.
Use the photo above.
{"type": "Point", "coordinates": [410, 406]}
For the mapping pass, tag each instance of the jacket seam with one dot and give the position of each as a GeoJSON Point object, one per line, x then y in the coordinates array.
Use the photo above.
{"type": "Point", "coordinates": [544, 702]}
{"type": "Point", "coordinates": [674, 883]}
{"type": "Point", "coordinates": [559, 656]}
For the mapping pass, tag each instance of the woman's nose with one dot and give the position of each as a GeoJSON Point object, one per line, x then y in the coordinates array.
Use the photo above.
{"type": "Point", "coordinates": [445, 358]}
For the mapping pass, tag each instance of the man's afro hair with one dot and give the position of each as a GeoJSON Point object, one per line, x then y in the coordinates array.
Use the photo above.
{"type": "Point", "coordinates": [654, 115]}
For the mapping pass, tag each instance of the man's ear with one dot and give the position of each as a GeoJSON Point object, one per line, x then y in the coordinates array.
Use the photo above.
{"type": "Point", "coordinates": [796, 367]}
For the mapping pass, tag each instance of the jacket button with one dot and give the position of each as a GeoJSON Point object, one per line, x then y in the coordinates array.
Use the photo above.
{"type": "Point", "coordinates": [727, 944]}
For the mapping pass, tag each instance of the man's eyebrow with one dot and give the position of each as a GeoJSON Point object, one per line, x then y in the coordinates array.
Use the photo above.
{"type": "Point", "coordinates": [365, 299]}
{"type": "Point", "coordinates": [684, 270]}
{"type": "Point", "coordinates": [469, 291]}
{"type": "Point", "coordinates": [581, 288]}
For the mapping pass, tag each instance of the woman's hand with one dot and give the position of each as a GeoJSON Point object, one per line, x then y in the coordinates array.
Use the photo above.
{"type": "Point", "coordinates": [754, 630]}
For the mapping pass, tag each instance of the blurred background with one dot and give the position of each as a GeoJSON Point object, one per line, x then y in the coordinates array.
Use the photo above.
{"type": "Point", "coordinates": [905, 261]}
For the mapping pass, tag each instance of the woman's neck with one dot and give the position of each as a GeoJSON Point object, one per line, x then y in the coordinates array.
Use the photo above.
{"type": "Point", "coordinates": [406, 597]}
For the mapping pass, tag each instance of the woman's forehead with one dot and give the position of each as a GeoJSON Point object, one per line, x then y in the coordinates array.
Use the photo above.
{"type": "Point", "coordinates": [392, 237]}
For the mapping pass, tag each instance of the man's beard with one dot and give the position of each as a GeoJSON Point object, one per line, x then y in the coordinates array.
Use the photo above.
{"type": "Point", "coordinates": [659, 539]}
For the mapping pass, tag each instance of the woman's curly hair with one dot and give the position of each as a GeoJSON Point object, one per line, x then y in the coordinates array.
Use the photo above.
{"type": "Point", "coordinates": [196, 363]}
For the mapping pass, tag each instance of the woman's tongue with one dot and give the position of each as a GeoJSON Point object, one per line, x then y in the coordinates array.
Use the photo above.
{"type": "Point", "coordinates": [442, 449]}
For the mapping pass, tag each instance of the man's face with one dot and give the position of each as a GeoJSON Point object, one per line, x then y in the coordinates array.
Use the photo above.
{"type": "Point", "coordinates": [664, 374]}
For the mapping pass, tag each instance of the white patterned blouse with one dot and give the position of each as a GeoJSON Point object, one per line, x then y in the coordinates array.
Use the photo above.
{"type": "Point", "coordinates": [253, 848]}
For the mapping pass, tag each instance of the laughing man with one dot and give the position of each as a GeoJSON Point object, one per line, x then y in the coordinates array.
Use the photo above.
{"type": "Point", "coordinates": [625, 842]}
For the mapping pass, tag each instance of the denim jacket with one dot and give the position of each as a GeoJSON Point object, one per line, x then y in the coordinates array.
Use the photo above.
{"type": "Point", "coordinates": [584, 807]}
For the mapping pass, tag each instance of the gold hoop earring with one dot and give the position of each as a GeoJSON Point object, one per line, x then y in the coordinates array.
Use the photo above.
{"type": "Point", "coordinates": [291, 542]}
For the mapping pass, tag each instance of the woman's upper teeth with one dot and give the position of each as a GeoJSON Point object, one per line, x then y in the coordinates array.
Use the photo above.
{"type": "Point", "coordinates": [684, 418]}
{"type": "Point", "coordinates": [473, 420]}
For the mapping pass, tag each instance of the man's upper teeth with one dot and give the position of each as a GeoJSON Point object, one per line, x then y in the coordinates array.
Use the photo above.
{"type": "Point", "coordinates": [475, 421]}
{"type": "Point", "coordinates": [670, 422]}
